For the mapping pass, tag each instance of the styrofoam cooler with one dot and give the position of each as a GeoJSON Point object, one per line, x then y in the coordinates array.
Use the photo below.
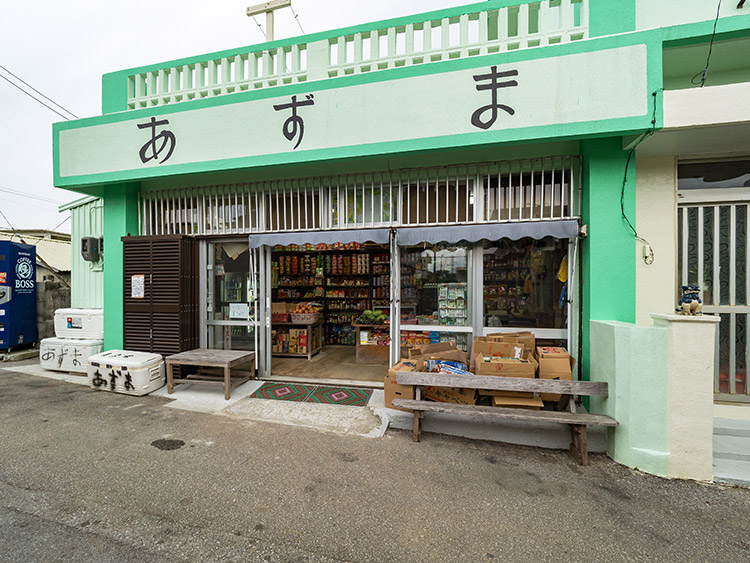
{"type": "Point", "coordinates": [79, 323]}
{"type": "Point", "coordinates": [67, 354]}
{"type": "Point", "coordinates": [121, 371]}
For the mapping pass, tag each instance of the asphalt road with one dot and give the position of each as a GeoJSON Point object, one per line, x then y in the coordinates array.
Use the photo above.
{"type": "Point", "coordinates": [89, 476]}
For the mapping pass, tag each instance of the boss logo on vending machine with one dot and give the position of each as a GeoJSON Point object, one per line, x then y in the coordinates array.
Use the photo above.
{"type": "Point", "coordinates": [24, 273]}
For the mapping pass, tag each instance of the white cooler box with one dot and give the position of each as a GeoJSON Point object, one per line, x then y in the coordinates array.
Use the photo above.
{"type": "Point", "coordinates": [79, 323]}
{"type": "Point", "coordinates": [66, 354]}
{"type": "Point", "coordinates": [132, 373]}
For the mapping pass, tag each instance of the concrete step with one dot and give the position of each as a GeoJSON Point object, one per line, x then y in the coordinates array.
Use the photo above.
{"type": "Point", "coordinates": [731, 427]}
{"type": "Point", "coordinates": [733, 445]}
{"type": "Point", "coordinates": [733, 472]}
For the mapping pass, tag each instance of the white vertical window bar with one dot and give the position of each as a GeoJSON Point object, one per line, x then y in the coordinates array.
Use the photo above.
{"type": "Point", "coordinates": [700, 280]}
{"type": "Point", "coordinates": [235, 216]}
{"type": "Point", "coordinates": [732, 352]}
{"type": "Point", "coordinates": [408, 199]}
{"type": "Point", "coordinates": [552, 201]}
{"type": "Point", "coordinates": [522, 189]}
{"type": "Point", "coordinates": [202, 215]}
{"type": "Point", "coordinates": [684, 247]}
{"type": "Point", "coordinates": [285, 210]}
{"type": "Point", "coordinates": [427, 197]}
{"type": "Point", "coordinates": [447, 197]}
{"type": "Point", "coordinates": [571, 191]}
{"type": "Point", "coordinates": [223, 212]}
{"type": "Point", "coordinates": [732, 256]}
{"type": "Point", "coordinates": [717, 267]}
{"type": "Point", "coordinates": [564, 188]}
{"type": "Point", "coordinates": [296, 222]}
{"type": "Point", "coordinates": [277, 198]}
{"type": "Point", "coordinates": [364, 202]}
{"type": "Point", "coordinates": [458, 202]}
{"type": "Point", "coordinates": [468, 195]}
{"type": "Point", "coordinates": [372, 204]}
{"type": "Point", "coordinates": [160, 218]}
{"type": "Point", "coordinates": [531, 194]}
{"type": "Point", "coordinates": [167, 223]}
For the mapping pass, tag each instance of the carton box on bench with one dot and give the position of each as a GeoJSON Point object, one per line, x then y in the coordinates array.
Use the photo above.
{"type": "Point", "coordinates": [395, 391]}
{"type": "Point", "coordinates": [526, 338]}
{"type": "Point", "coordinates": [518, 402]}
{"type": "Point", "coordinates": [554, 363]}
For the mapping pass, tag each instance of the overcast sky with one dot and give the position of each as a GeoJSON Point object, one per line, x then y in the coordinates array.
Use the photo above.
{"type": "Point", "coordinates": [62, 48]}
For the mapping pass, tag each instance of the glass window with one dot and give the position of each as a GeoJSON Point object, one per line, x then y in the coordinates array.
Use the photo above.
{"type": "Point", "coordinates": [412, 338]}
{"type": "Point", "coordinates": [525, 283]}
{"type": "Point", "coordinates": [702, 175]}
{"type": "Point", "coordinates": [435, 285]}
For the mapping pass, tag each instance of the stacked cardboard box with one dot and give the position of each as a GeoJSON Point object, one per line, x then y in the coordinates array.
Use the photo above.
{"type": "Point", "coordinates": [554, 363]}
{"type": "Point", "coordinates": [423, 358]}
{"type": "Point", "coordinates": [507, 355]}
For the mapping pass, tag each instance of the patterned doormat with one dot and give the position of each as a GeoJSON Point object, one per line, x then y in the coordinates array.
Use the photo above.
{"type": "Point", "coordinates": [351, 396]}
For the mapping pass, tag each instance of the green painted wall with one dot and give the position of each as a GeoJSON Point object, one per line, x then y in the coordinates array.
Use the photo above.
{"type": "Point", "coordinates": [608, 271]}
{"type": "Point", "coordinates": [607, 17]}
{"type": "Point", "coordinates": [633, 361]}
{"type": "Point", "coordinates": [120, 218]}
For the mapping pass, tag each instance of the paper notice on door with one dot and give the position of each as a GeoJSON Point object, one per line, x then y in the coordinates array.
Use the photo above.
{"type": "Point", "coordinates": [138, 287]}
{"type": "Point", "coordinates": [239, 311]}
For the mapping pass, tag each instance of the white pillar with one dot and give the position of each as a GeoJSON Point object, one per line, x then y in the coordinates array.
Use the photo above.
{"type": "Point", "coordinates": [691, 349]}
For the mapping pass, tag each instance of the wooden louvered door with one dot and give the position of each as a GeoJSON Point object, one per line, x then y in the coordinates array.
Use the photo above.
{"type": "Point", "coordinates": [161, 314]}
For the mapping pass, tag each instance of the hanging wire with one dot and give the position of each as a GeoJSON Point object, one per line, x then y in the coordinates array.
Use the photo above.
{"type": "Point", "coordinates": [22, 81]}
{"type": "Point", "coordinates": [650, 258]}
{"type": "Point", "coordinates": [704, 73]}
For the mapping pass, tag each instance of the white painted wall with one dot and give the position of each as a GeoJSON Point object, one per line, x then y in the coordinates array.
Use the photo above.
{"type": "Point", "coordinates": [661, 13]}
{"type": "Point", "coordinates": [656, 221]}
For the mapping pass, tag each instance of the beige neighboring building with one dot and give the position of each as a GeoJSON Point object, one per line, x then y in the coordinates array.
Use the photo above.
{"type": "Point", "coordinates": [52, 252]}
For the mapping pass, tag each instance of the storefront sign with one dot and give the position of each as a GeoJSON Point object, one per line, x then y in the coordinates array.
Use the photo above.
{"type": "Point", "coordinates": [487, 104]}
{"type": "Point", "coordinates": [239, 311]}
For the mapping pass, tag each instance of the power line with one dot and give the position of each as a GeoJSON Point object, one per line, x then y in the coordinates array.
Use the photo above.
{"type": "Point", "coordinates": [60, 224]}
{"type": "Point", "coordinates": [259, 27]}
{"type": "Point", "coordinates": [38, 92]}
{"type": "Point", "coordinates": [296, 18]}
{"type": "Point", "coordinates": [10, 225]}
{"type": "Point", "coordinates": [33, 98]}
{"type": "Point", "coordinates": [30, 196]}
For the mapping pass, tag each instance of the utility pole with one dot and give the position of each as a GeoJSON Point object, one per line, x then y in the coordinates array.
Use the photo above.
{"type": "Point", "coordinates": [268, 8]}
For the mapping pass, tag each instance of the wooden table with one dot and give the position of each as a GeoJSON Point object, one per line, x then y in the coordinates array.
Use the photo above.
{"type": "Point", "coordinates": [203, 358]}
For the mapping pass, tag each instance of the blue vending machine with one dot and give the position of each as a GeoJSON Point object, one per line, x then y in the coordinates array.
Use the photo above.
{"type": "Point", "coordinates": [17, 295]}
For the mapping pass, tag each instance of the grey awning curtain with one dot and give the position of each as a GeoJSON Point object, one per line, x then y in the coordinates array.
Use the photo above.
{"type": "Point", "coordinates": [378, 236]}
{"type": "Point", "coordinates": [492, 231]}
{"type": "Point", "coordinates": [409, 236]}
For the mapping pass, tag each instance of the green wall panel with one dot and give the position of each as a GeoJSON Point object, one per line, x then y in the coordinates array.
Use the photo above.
{"type": "Point", "coordinates": [120, 218]}
{"type": "Point", "coordinates": [608, 250]}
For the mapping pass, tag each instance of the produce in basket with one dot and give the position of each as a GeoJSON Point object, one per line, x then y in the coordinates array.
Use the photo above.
{"type": "Point", "coordinates": [306, 309]}
{"type": "Point", "coordinates": [372, 318]}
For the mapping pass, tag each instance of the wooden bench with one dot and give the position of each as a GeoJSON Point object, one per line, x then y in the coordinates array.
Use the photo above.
{"type": "Point", "coordinates": [567, 413]}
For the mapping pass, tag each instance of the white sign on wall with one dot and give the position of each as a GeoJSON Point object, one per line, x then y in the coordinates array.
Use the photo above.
{"type": "Point", "coordinates": [491, 101]}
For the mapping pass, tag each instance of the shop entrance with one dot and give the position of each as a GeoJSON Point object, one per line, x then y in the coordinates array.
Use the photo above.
{"type": "Point", "coordinates": [231, 291]}
{"type": "Point", "coordinates": [330, 304]}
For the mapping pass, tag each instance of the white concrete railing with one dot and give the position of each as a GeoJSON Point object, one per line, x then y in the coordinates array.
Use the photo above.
{"type": "Point", "coordinates": [534, 24]}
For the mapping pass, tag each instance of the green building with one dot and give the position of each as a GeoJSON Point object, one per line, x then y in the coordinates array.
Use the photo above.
{"type": "Point", "coordinates": [561, 166]}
